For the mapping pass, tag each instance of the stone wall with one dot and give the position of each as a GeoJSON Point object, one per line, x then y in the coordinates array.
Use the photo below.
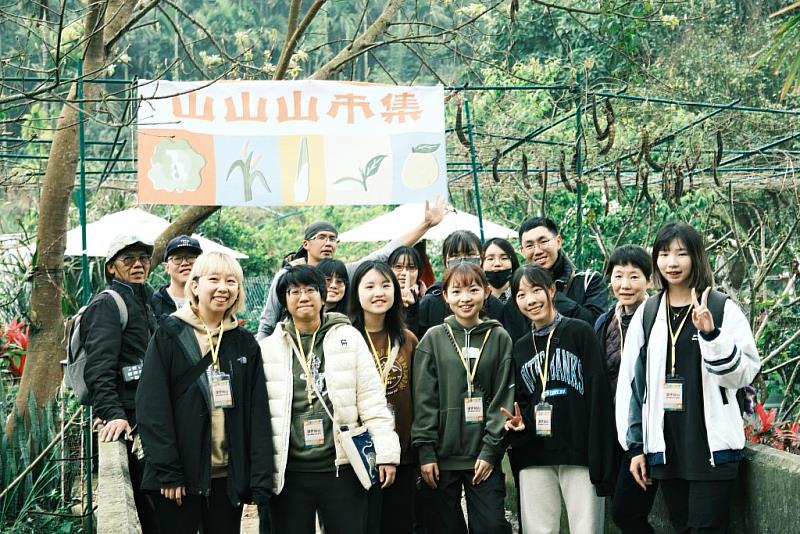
{"type": "Point", "coordinates": [116, 509]}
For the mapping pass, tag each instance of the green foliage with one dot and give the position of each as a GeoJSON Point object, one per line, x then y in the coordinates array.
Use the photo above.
{"type": "Point", "coordinates": [28, 505]}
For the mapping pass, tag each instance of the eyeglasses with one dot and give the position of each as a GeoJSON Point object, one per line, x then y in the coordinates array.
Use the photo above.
{"type": "Point", "coordinates": [128, 260]}
{"type": "Point", "coordinates": [308, 291]}
{"type": "Point", "coordinates": [533, 245]}
{"type": "Point", "coordinates": [399, 268]}
{"type": "Point", "coordinates": [178, 260]}
{"type": "Point", "coordinates": [323, 238]}
{"type": "Point", "coordinates": [452, 262]}
{"type": "Point", "coordinates": [335, 280]}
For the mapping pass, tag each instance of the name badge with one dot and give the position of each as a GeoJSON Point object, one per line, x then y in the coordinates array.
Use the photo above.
{"type": "Point", "coordinates": [221, 394]}
{"type": "Point", "coordinates": [313, 433]}
{"type": "Point", "coordinates": [543, 413]}
{"type": "Point", "coordinates": [473, 409]}
{"type": "Point", "coordinates": [673, 394]}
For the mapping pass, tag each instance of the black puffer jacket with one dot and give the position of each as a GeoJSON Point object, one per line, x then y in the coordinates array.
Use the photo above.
{"type": "Point", "coordinates": [162, 304]}
{"type": "Point", "coordinates": [176, 434]}
{"type": "Point", "coordinates": [432, 310]}
{"type": "Point", "coordinates": [109, 348]}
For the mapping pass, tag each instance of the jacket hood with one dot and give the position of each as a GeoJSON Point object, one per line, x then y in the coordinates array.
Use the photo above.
{"type": "Point", "coordinates": [186, 314]}
{"type": "Point", "coordinates": [329, 320]}
{"type": "Point", "coordinates": [481, 327]}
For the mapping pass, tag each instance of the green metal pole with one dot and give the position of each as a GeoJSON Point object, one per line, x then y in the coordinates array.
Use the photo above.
{"type": "Point", "coordinates": [474, 161]}
{"type": "Point", "coordinates": [579, 171]}
{"type": "Point", "coordinates": [86, 284]}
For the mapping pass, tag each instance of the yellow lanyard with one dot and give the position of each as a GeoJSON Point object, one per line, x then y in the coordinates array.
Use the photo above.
{"type": "Point", "coordinates": [465, 360]}
{"type": "Point", "coordinates": [304, 363]}
{"type": "Point", "coordinates": [543, 369]}
{"type": "Point", "coordinates": [214, 350]}
{"type": "Point", "coordinates": [383, 371]}
{"type": "Point", "coordinates": [673, 336]}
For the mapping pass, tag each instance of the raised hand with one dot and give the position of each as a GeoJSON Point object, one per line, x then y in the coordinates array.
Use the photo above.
{"type": "Point", "coordinates": [435, 213]}
{"type": "Point", "coordinates": [701, 315]}
{"type": "Point", "coordinates": [513, 421]}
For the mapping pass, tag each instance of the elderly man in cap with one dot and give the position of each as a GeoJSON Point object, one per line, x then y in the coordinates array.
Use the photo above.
{"type": "Point", "coordinates": [114, 354]}
{"type": "Point", "coordinates": [179, 257]}
{"type": "Point", "coordinates": [320, 241]}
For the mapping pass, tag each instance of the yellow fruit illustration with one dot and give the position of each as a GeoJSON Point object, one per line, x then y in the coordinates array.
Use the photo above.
{"type": "Point", "coordinates": [421, 168]}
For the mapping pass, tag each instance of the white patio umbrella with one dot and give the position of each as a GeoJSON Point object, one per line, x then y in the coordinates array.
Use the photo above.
{"type": "Point", "coordinates": [405, 217]}
{"type": "Point", "coordinates": [100, 233]}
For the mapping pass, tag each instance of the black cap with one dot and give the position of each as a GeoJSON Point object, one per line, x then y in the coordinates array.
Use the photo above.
{"type": "Point", "coordinates": [182, 241]}
{"type": "Point", "coordinates": [319, 226]}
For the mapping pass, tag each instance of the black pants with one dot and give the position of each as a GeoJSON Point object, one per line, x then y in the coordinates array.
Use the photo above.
{"type": "Point", "coordinates": [391, 510]}
{"type": "Point", "coordinates": [698, 506]}
{"type": "Point", "coordinates": [341, 502]}
{"type": "Point", "coordinates": [631, 505]}
{"type": "Point", "coordinates": [214, 514]}
{"type": "Point", "coordinates": [485, 504]}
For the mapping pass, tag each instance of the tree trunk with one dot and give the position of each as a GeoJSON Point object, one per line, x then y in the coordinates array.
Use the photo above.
{"type": "Point", "coordinates": [42, 374]}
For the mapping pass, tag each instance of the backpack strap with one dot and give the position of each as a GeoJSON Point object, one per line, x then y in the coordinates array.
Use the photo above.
{"type": "Point", "coordinates": [123, 309]}
{"type": "Point", "coordinates": [649, 315]}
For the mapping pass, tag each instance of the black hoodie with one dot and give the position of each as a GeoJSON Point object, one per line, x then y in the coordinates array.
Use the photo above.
{"type": "Point", "coordinates": [578, 295]}
{"type": "Point", "coordinates": [583, 424]}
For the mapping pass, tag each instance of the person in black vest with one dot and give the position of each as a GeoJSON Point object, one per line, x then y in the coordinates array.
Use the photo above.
{"type": "Point", "coordinates": [629, 271]}
{"type": "Point", "coordinates": [114, 355]}
{"type": "Point", "coordinates": [203, 412]}
{"type": "Point", "coordinates": [578, 295]}
{"type": "Point", "coordinates": [179, 256]}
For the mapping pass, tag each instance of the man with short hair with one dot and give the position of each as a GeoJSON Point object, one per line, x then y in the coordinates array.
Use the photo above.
{"type": "Point", "coordinates": [581, 295]}
{"type": "Point", "coordinates": [114, 354]}
{"type": "Point", "coordinates": [320, 241]}
{"type": "Point", "coordinates": [179, 257]}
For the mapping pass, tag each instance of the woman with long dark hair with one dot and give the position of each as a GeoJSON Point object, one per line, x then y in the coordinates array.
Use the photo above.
{"type": "Point", "coordinates": [687, 350]}
{"type": "Point", "coordinates": [376, 311]}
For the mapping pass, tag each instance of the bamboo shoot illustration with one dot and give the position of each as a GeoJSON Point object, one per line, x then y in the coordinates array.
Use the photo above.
{"type": "Point", "coordinates": [301, 185]}
{"type": "Point", "coordinates": [249, 173]}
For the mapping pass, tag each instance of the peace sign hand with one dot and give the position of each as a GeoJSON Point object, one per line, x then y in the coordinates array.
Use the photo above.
{"type": "Point", "coordinates": [701, 315]}
{"type": "Point", "coordinates": [513, 421]}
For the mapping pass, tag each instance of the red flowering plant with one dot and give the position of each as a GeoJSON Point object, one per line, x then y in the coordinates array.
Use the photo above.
{"type": "Point", "coordinates": [783, 435]}
{"type": "Point", "coordinates": [14, 346]}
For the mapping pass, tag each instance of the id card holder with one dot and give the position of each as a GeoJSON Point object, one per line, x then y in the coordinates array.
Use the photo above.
{"type": "Point", "coordinates": [313, 433]}
{"type": "Point", "coordinates": [221, 394]}
{"type": "Point", "coordinates": [673, 394]}
{"type": "Point", "coordinates": [473, 408]}
{"type": "Point", "coordinates": [544, 419]}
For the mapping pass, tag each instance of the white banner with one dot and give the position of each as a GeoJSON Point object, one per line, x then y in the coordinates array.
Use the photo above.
{"type": "Point", "coordinates": [264, 143]}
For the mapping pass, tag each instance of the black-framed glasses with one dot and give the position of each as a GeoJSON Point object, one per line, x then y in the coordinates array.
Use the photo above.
{"type": "Point", "coordinates": [178, 260]}
{"type": "Point", "coordinates": [128, 259]}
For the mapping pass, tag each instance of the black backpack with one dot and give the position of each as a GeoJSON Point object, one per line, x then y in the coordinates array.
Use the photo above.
{"type": "Point", "coordinates": [716, 305]}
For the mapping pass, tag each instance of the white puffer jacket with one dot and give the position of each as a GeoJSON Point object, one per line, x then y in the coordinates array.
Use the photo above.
{"type": "Point", "coordinates": [354, 389]}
